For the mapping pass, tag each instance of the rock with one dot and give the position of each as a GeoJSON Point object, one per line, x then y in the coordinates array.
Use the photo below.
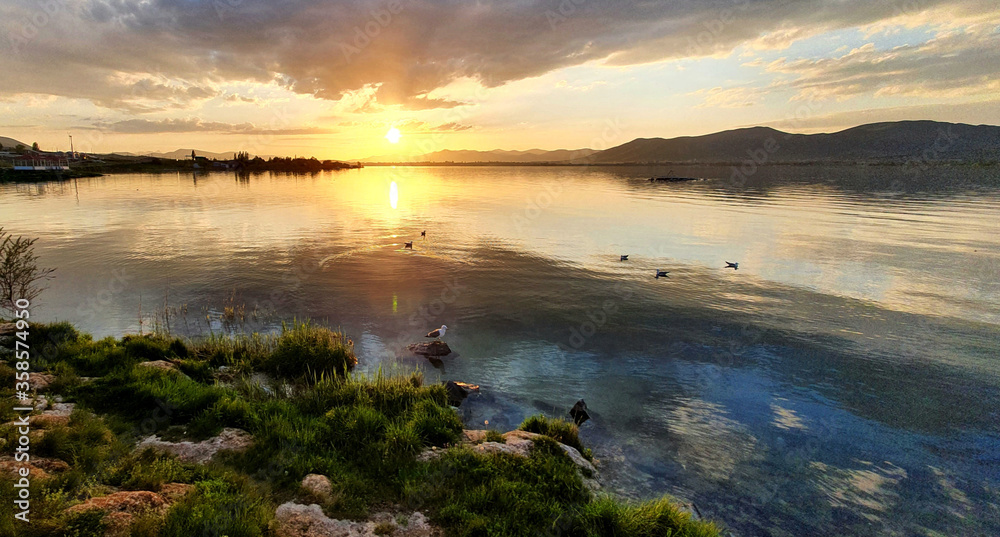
{"type": "Point", "coordinates": [297, 520]}
{"type": "Point", "coordinates": [40, 381]}
{"type": "Point", "coordinates": [318, 485]}
{"type": "Point", "coordinates": [162, 365]}
{"type": "Point", "coordinates": [431, 349]}
{"type": "Point", "coordinates": [48, 421]}
{"type": "Point", "coordinates": [121, 508]}
{"type": "Point", "coordinates": [38, 467]}
{"type": "Point", "coordinates": [200, 452]}
{"type": "Point", "coordinates": [579, 412]}
{"type": "Point", "coordinates": [473, 436]}
{"type": "Point", "coordinates": [521, 449]}
{"type": "Point", "coordinates": [458, 391]}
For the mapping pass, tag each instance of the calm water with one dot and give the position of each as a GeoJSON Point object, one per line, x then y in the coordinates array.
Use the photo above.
{"type": "Point", "coordinates": [844, 381]}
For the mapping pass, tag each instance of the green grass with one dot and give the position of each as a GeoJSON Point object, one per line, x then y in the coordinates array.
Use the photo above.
{"type": "Point", "coordinates": [558, 429]}
{"type": "Point", "coordinates": [305, 349]}
{"type": "Point", "coordinates": [363, 432]}
{"type": "Point", "coordinates": [608, 517]}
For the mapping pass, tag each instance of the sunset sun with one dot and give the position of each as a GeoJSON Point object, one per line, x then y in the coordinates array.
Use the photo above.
{"type": "Point", "coordinates": [393, 135]}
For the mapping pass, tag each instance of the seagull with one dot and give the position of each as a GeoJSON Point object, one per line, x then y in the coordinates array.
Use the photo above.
{"type": "Point", "coordinates": [734, 266]}
{"type": "Point", "coordinates": [662, 273]}
{"type": "Point", "coordinates": [439, 333]}
{"type": "Point", "coordinates": [408, 245]}
{"type": "Point", "coordinates": [625, 257]}
{"type": "Point", "coordinates": [423, 233]}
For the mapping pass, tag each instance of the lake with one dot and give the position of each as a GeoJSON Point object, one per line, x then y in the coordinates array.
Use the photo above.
{"type": "Point", "coordinates": [843, 381]}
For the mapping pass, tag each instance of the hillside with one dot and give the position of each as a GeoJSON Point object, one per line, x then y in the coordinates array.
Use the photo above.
{"type": "Point", "coordinates": [9, 143]}
{"type": "Point", "coordinates": [181, 154]}
{"type": "Point", "coordinates": [889, 142]}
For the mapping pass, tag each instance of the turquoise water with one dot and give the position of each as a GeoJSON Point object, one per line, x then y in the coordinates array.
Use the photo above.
{"type": "Point", "coordinates": [844, 381]}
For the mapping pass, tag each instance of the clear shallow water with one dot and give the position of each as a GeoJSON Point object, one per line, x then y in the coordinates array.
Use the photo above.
{"type": "Point", "coordinates": [844, 381]}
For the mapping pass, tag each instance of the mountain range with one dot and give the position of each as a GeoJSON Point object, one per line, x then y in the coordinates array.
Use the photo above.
{"type": "Point", "coordinates": [898, 141]}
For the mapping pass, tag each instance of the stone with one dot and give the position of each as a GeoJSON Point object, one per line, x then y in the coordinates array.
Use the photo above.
{"type": "Point", "coordinates": [121, 508]}
{"type": "Point", "coordinates": [431, 349]}
{"type": "Point", "coordinates": [458, 391]}
{"type": "Point", "coordinates": [162, 365]}
{"type": "Point", "coordinates": [40, 381]}
{"type": "Point", "coordinates": [579, 413]}
{"type": "Point", "coordinates": [200, 452]}
{"type": "Point", "coordinates": [38, 467]}
{"type": "Point", "coordinates": [297, 520]}
{"type": "Point", "coordinates": [318, 485]}
{"type": "Point", "coordinates": [473, 436]}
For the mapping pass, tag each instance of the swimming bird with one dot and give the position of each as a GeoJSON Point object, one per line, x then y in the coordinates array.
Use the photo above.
{"type": "Point", "coordinates": [662, 273]}
{"type": "Point", "coordinates": [423, 233]}
{"type": "Point", "coordinates": [625, 257]}
{"type": "Point", "coordinates": [734, 266]}
{"type": "Point", "coordinates": [439, 333]}
{"type": "Point", "coordinates": [408, 245]}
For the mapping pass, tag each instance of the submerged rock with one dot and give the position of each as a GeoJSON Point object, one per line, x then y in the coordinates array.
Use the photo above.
{"type": "Point", "coordinates": [297, 520]}
{"type": "Point", "coordinates": [200, 452]}
{"type": "Point", "coordinates": [431, 349]}
{"type": "Point", "coordinates": [458, 391]}
{"type": "Point", "coordinates": [579, 412]}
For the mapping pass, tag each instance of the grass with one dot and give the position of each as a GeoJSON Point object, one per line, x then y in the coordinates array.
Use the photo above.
{"type": "Point", "coordinates": [362, 432]}
{"type": "Point", "coordinates": [558, 429]}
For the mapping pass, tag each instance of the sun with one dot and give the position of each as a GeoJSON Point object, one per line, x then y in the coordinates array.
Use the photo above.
{"type": "Point", "coordinates": [393, 135]}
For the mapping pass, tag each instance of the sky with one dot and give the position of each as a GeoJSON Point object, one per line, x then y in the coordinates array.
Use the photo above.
{"type": "Point", "coordinates": [331, 78]}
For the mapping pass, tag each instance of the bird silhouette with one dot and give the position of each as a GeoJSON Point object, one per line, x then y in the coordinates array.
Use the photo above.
{"type": "Point", "coordinates": [408, 245]}
{"type": "Point", "coordinates": [662, 273]}
{"type": "Point", "coordinates": [734, 266]}
{"type": "Point", "coordinates": [625, 257]}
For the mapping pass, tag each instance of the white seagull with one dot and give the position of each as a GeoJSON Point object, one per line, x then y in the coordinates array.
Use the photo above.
{"type": "Point", "coordinates": [439, 333]}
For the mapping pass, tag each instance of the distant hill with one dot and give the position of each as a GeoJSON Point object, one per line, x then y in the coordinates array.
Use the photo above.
{"type": "Point", "coordinates": [887, 142]}
{"type": "Point", "coordinates": [181, 154]}
{"type": "Point", "coordinates": [497, 155]}
{"type": "Point", "coordinates": [10, 143]}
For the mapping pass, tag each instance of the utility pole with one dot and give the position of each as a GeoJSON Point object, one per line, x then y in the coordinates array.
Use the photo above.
{"type": "Point", "coordinates": [72, 153]}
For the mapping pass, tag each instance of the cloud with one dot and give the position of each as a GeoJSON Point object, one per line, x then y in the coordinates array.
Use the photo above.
{"type": "Point", "coordinates": [169, 54]}
{"type": "Point", "coordinates": [160, 126]}
{"type": "Point", "coordinates": [952, 64]}
{"type": "Point", "coordinates": [737, 97]}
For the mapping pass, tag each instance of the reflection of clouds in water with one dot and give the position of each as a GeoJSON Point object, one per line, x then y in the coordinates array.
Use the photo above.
{"type": "Point", "coordinates": [787, 419]}
{"type": "Point", "coordinates": [869, 489]}
{"type": "Point", "coordinates": [709, 441]}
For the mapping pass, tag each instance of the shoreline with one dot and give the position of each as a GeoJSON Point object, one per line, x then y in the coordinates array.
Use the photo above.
{"type": "Point", "coordinates": [176, 437]}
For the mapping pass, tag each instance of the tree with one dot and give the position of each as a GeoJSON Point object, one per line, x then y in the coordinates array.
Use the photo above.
{"type": "Point", "coordinates": [20, 275]}
{"type": "Point", "coordinates": [34, 146]}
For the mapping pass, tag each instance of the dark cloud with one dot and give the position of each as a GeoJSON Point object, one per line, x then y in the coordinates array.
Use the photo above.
{"type": "Point", "coordinates": [146, 126]}
{"type": "Point", "coordinates": [162, 54]}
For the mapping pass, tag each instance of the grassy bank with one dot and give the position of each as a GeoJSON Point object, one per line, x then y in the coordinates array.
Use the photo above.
{"type": "Point", "coordinates": [313, 417]}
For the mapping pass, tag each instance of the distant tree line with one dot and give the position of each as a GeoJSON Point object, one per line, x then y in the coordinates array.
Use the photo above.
{"type": "Point", "coordinates": [289, 164]}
